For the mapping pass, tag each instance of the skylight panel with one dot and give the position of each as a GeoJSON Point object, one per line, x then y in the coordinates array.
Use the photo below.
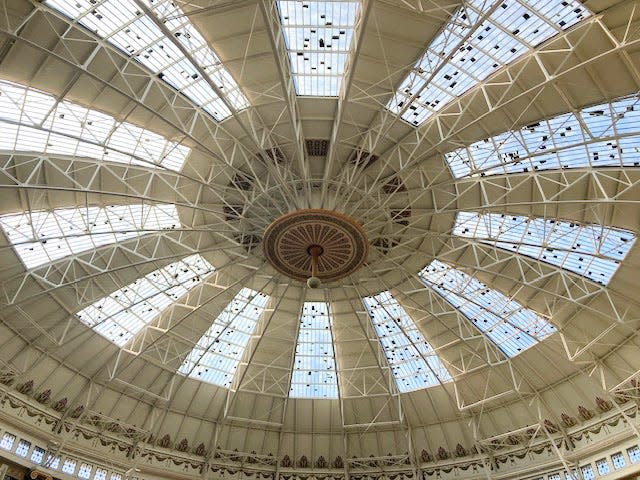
{"type": "Point", "coordinates": [512, 327]}
{"type": "Point", "coordinates": [40, 237]}
{"type": "Point", "coordinates": [121, 315]}
{"type": "Point", "coordinates": [606, 135]}
{"type": "Point", "coordinates": [124, 25]}
{"type": "Point", "coordinates": [469, 49]}
{"type": "Point", "coordinates": [216, 356]}
{"type": "Point", "coordinates": [33, 121]}
{"type": "Point", "coordinates": [314, 368]}
{"type": "Point", "coordinates": [413, 361]}
{"type": "Point", "coordinates": [593, 251]}
{"type": "Point", "coordinates": [318, 36]}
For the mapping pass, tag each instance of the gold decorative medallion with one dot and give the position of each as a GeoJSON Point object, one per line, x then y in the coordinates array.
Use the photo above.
{"type": "Point", "coordinates": [338, 242]}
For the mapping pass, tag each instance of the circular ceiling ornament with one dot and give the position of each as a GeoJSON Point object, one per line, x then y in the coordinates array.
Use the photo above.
{"type": "Point", "coordinates": [290, 241]}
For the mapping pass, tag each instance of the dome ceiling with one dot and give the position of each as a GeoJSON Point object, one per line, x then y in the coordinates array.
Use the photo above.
{"type": "Point", "coordinates": [467, 170]}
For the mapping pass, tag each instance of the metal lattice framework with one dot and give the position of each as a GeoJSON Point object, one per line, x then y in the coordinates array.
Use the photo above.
{"type": "Point", "coordinates": [231, 161]}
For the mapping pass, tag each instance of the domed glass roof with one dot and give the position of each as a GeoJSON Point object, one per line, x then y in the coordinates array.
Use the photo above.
{"type": "Point", "coordinates": [459, 177]}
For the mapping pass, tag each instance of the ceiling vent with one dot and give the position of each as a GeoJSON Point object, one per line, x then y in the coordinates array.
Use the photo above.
{"type": "Point", "coordinates": [401, 216]}
{"type": "Point", "coordinates": [248, 241]}
{"type": "Point", "coordinates": [242, 181]}
{"type": "Point", "coordinates": [362, 158]}
{"type": "Point", "coordinates": [394, 185]}
{"type": "Point", "coordinates": [232, 212]}
{"type": "Point", "coordinates": [271, 155]}
{"type": "Point", "coordinates": [317, 147]}
{"type": "Point", "coordinates": [384, 245]}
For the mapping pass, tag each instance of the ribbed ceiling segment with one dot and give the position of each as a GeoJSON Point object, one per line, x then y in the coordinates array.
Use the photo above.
{"type": "Point", "coordinates": [604, 135]}
{"type": "Point", "coordinates": [113, 175]}
{"type": "Point", "coordinates": [482, 37]}
{"type": "Point", "coordinates": [41, 237]}
{"type": "Point", "coordinates": [318, 36]}
{"type": "Point", "coordinates": [162, 39]}
{"type": "Point", "coordinates": [215, 357]}
{"type": "Point", "coordinates": [314, 367]}
{"type": "Point", "coordinates": [413, 361]}
{"type": "Point", "coordinates": [512, 327]}
{"type": "Point", "coordinates": [34, 121]}
{"type": "Point", "coordinates": [593, 251]}
{"type": "Point", "coordinates": [125, 312]}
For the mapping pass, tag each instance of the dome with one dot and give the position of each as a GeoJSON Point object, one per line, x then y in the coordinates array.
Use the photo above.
{"type": "Point", "coordinates": [319, 238]}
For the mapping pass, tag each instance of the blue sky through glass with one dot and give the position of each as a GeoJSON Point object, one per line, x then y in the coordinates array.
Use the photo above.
{"type": "Point", "coordinates": [413, 361]}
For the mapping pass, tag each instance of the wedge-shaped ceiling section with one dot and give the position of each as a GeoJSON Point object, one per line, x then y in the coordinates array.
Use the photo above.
{"type": "Point", "coordinates": [593, 251]}
{"type": "Point", "coordinates": [318, 36]}
{"type": "Point", "coordinates": [512, 327]}
{"type": "Point", "coordinates": [41, 237]}
{"type": "Point", "coordinates": [125, 312]}
{"type": "Point", "coordinates": [314, 367]}
{"type": "Point", "coordinates": [215, 357]}
{"type": "Point", "coordinates": [413, 361]}
{"type": "Point", "coordinates": [606, 135]}
{"type": "Point", "coordinates": [126, 26]}
{"type": "Point", "coordinates": [482, 37]}
{"type": "Point", "coordinates": [34, 121]}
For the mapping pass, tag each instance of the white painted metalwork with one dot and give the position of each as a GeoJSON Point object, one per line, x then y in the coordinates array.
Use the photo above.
{"type": "Point", "coordinates": [214, 359]}
{"type": "Point", "coordinates": [593, 251]}
{"type": "Point", "coordinates": [124, 25]}
{"type": "Point", "coordinates": [125, 312]}
{"type": "Point", "coordinates": [318, 36]}
{"type": "Point", "coordinates": [605, 135]}
{"type": "Point", "coordinates": [41, 237]}
{"type": "Point", "coordinates": [34, 121]}
{"type": "Point", "coordinates": [413, 361]}
{"type": "Point", "coordinates": [479, 40]}
{"type": "Point", "coordinates": [314, 367]}
{"type": "Point", "coordinates": [512, 327]}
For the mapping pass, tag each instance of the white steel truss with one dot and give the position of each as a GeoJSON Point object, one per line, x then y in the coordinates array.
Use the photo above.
{"type": "Point", "coordinates": [34, 121]}
{"type": "Point", "coordinates": [216, 356]}
{"type": "Point", "coordinates": [593, 251]}
{"type": "Point", "coordinates": [128, 27]}
{"type": "Point", "coordinates": [604, 135]}
{"type": "Point", "coordinates": [412, 360]}
{"type": "Point", "coordinates": [125, 312]}
{"type": "Point", "coordinates": [507, 323]}
{"type": "Point", "coordinates": [41, 237]}
{"type": "Point", "coordinates": [318, 35]}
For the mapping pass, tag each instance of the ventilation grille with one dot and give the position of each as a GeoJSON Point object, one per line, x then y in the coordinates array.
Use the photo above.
{"type": "Point", "coordinates": [242, 181]}
{"type": "Point", "coordinates": [394, 185]}
{"type": "Point", "coordinates": [362, 158]}
{"type": "Point", "coordinates": [401, 217]}
{"type": "Point", "coordinates": [272, 155]}
{"type": "Point", "coordinates": [317, 147]}
{"type": "Point", "coordinates": [232, 212]}
{"type": "Point", "coordinates": [384, 245]}
{"type": "Point", "coordinates": [248, 241]}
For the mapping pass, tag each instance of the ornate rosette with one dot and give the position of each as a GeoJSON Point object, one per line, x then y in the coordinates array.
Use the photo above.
{"type": "Point", "coordinates": [287, 242]}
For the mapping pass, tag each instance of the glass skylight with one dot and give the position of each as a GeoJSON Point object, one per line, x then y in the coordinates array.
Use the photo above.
{"type": "Point", "coordinates": [314, 367]}
{"type": "Point", "coordinates": [593, 251]}
{"type": "Point", "coordinates": [318, 36]}
{"type": "Point", "coordinates": [215, 357]}
{"type": "Point", "coordinates": [512, 327]}
{"type": "Point", "coordinates": [600, 136]}
{"type": "Point", "coordinates": [40, 237]}
{"type": "Point", "coordinates": [125, 312]}
{"type": "Point", "coordinates": [124, 25]}
{"type": "Point", "coordinates": [469, 50]}
{"type": "Point", "coordinates": [33, 121]}
{"type": "Point", "coordinates": [413, 361]}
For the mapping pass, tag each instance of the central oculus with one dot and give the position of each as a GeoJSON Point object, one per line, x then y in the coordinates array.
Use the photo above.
{"type": "Point", "coordinates": [315, 242]}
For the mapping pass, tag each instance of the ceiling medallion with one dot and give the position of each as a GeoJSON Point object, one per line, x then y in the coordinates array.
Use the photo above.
{"type": "Point", "coordinates": [317, 243]}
